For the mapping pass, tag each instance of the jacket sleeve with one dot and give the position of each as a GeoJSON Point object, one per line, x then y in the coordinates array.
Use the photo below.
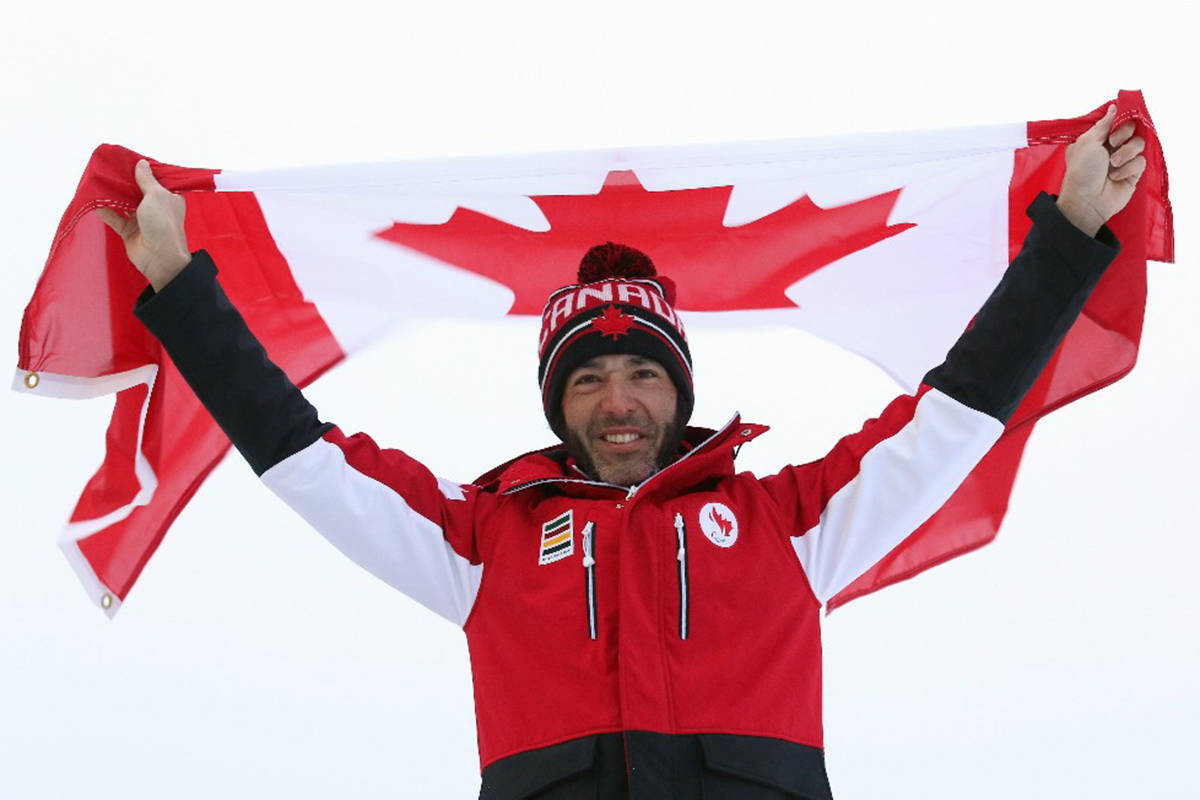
{"type": "Point", "coordinates": [382, 508]}
{"type": "Point", "coordinates": [875, 487]}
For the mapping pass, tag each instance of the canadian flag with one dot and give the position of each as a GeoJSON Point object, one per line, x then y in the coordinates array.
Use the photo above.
{"type": "Point", "coordinates": [883, 244]}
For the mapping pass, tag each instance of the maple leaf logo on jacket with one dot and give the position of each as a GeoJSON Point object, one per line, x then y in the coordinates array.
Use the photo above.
{"type": "Point", "coordinates": [725, 525]}
{"type": "Point", "coordinates": [719, 524]}
{"type": "Point", "coordinates": [612, 323]}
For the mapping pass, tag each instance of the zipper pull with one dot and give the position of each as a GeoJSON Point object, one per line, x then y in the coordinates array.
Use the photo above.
{"type": "Point", "coordinates": [681, 554]}
{"type": "Point", "coordinates": [588, 558]}
{"type": "Point", "coordinates": [632, 492]}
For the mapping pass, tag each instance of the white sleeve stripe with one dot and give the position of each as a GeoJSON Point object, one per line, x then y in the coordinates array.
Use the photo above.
{"type": "Point", "coordinates": [901, 482]}
{"type": "Point", "coordinates": [376, 528]}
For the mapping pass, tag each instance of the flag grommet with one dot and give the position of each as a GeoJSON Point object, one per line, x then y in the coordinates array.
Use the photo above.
{"type": "Point", "coordinates": [106, 601]}
{"type": "Point", "coordinates": [31, 380]}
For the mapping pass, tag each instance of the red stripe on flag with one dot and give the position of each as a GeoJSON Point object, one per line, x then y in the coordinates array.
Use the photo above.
{"type": "Point", "coordinates": [92, 285]}
{"type": "Point", "coordinates": [1101, 347]}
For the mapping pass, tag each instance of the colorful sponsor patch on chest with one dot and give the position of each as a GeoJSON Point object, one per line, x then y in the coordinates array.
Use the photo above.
{"type": "Point", "coordinates": [719, 524]}
{"type": "Point", "coordinates": [558, 538]}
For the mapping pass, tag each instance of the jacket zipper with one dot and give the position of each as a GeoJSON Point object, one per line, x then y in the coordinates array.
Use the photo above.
{"type": "Point", "coordinates": [681, 557]}
{"type": "Point", "coordinates": [589, 565]}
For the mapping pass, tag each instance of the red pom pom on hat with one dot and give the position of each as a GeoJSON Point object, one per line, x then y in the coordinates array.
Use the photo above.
{"type": "Point", "coordinates": [613, 260]}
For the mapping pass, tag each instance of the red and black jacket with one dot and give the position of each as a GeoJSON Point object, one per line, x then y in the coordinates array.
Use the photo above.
{"type": "Point", "coordinates": [660, 640]}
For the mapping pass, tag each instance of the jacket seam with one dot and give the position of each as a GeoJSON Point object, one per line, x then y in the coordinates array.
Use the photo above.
{"type": "Point", "coordinates": [484, 561]}
{"type": "Point", "coordinates": [786, 545]}
{"type": "Point", "coordinates": [663, 644]}
{"type": "Point", "coordinates": [759, 734]}
{"type": "Point", "coordinates": [550, 743]}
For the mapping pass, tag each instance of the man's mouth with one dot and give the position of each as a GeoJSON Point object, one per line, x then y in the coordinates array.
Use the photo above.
{"type": "Point", "coordinates": [621, 438]}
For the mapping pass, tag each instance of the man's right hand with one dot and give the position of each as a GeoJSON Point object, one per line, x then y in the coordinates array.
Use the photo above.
{"type": "Point", "coordinates": [153, 235]}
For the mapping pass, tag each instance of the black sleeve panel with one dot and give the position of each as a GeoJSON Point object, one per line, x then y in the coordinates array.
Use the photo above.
{"type": "Point", "coordinates": [995, 362]}
{"type": "Point", "coordinates": [255, 403]}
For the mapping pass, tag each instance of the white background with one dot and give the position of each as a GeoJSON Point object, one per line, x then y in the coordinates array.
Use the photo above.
{"type": "Point", "coordinates": [253, 661]}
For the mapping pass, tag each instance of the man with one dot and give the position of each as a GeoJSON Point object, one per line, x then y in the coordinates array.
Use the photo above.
{"type": "Point", "coordinates": [642, 621]}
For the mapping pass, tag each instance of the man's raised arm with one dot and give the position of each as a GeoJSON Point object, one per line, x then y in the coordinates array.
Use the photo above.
{"type": "Point", "coordinates": [875, 487]}
{"type": "Point", "coordinates": [380, 507]}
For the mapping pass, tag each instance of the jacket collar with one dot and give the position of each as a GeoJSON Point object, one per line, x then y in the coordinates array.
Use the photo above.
{"type": "Point", "coordinates": [711, 455]}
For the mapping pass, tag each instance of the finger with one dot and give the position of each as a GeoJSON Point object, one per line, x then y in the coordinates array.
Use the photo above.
{"type": "Point", "coordinates": [1133, 169]}
{"type": "Point", "coordinates": [1098, 131]}
{"type": "Point", "coordinates": [1133, 179]}
{"type": "Point", "coordinates": [112, 219]}
{"type": "Point", "coordinates": [145, 177]}
{"type": "Point", "coordinates": [1127, 151]}
{"type": "Point", "coordinates": [1121, 135]}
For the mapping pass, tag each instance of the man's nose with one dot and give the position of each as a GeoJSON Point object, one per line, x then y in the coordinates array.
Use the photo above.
{"type": "Point", "coordinates": [617, 397]}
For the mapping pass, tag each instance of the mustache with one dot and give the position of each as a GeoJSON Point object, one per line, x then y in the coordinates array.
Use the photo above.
{"type": "Point", "coordinates": [639, 421]}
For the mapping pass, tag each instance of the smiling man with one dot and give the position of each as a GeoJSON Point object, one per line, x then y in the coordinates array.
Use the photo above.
{"type": "Point", "coordinates": [621, 418]}
{"type": "Point", "coordinates": [643, 620]}
{"type": "Point", "coordinates": [612, 355]}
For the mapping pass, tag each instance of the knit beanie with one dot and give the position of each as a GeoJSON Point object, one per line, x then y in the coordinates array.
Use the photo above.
{"type": "Point", "coordinates": [619, 306]}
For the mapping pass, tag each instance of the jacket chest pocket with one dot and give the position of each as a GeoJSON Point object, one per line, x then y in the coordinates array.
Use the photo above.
{"type": "Point", "coordinates": [567, 579]}
{"type": "Point", "coordinates": [702, 537]}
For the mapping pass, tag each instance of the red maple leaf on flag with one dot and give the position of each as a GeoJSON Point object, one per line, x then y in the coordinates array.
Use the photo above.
{"type": "Point", "coordinates": [716, 268]}
{"type": "Point", "coordinates": [612, 323]}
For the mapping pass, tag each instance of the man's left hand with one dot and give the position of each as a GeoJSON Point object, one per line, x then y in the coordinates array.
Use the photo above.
{"type": "Point", "coordinates": [1103, 168]}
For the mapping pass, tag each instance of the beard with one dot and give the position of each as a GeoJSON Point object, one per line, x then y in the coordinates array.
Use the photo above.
{"type": "Point", "coordinates": [626, 471]}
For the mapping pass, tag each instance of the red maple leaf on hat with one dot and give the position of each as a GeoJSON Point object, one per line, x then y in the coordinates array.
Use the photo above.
{"type": "Point", "coordinates": [612, 322]}
{"type": "Point", "coordinates": [715, 267]}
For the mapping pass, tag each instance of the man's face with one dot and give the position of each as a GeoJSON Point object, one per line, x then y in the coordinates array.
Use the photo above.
{"type": "Point", "coordinates": [620, 415]}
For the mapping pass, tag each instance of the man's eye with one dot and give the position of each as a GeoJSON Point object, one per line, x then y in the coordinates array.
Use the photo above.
{"type": "Point", "coordinates": [646, 373]}
{"type": "Point", "coordinates": [585, 379]}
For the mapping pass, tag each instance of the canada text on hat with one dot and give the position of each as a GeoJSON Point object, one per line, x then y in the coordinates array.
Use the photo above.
{"type": "Point", "coordinates": [620, 305]}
